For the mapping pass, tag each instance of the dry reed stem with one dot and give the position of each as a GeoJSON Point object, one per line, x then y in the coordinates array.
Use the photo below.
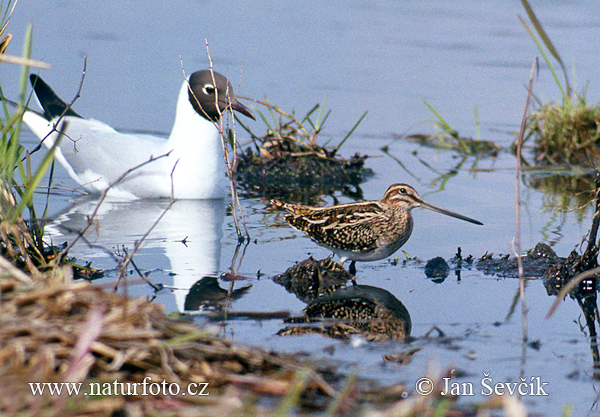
{"type": "Point", "coordinates": [517, 240]}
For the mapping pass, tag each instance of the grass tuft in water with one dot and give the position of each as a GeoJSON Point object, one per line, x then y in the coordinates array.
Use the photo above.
{"type": "Point", "coordinates": [20, 242]}
{"type": "Point", "coordinates": [565, 132]}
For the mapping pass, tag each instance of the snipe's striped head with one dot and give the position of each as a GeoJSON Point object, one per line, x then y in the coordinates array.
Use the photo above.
{"type": "Point", "coordinates": [405, 196]}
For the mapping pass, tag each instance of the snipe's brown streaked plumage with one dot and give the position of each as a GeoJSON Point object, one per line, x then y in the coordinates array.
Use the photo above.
{"type": "Point", "coordinates": [365, 231]}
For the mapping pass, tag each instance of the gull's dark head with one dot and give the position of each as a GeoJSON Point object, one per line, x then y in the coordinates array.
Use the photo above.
{"type": "Point", "coordinates": [211, 94]}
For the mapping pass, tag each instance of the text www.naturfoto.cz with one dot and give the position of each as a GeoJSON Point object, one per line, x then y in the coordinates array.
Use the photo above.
{"type": "Point", "coordinates": [118, 388]}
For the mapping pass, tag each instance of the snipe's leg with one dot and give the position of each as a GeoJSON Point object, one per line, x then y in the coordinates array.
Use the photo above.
{"type": "Point", "coordinates": [352, 267]}
{"type": "Point", "coordinates": [352, 270]}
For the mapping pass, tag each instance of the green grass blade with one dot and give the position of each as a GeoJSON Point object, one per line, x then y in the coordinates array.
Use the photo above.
{"type": "Point", "coordinates": [318, 124]}
{"type": "Point", "coordinates": [542, 33]}
{"type": "Point", "coordinates": [545, 56]}
{"type": "Point", "coordinates": [14, 147]}
{"type": "Point", "coordinates": [445, 125]}
{"type": "Point", "coordinates": [477, 126]}
{"type": "Point", "coordinates": [27, 198]}
{"type": "Point", "coordinates": [447, 128]}
{"type": "Point", "coordinates": [351, 131]}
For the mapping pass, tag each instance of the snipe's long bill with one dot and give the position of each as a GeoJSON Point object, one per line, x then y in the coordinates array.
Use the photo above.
{"type": "Point", "coordinates": [365, 231]}
{"type": "Point", "coordinates": [432, 207]}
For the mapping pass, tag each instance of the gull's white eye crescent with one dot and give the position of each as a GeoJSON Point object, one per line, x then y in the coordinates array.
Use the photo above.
{"type": "Point", "coordinates": [208, 89]}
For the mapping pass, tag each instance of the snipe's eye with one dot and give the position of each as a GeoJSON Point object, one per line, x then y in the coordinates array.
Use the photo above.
{"type": "Point", "coordinates": [402, 190]}
{"type": "Point", "coordinates": [208, 89]}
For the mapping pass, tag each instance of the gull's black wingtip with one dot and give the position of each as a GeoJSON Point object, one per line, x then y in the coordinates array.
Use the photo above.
{"type": "Point", "coordinates": [52, 104]}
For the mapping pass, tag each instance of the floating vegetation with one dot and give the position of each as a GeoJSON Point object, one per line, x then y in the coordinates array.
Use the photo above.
{"type": "Point", "coordinates": [288, 163]}
{"type": "Point", "coordinates": [535, 263]}
{"type": "Point", "coordinates": [447, 138]}
{"type": "Point", "coordinates": [444, 141]}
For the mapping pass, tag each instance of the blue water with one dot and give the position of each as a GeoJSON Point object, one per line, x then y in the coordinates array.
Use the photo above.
{"type": "Point", "coordinates": [381, 58]}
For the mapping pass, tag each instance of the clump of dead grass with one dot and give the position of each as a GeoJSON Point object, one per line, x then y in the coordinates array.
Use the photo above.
{"type": "Point", "coordinates": [57, 330]}
{"type": "Point", "coordinates": [63, 331]}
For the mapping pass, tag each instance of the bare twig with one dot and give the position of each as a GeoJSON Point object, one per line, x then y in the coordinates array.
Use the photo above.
{"type": "Point", "coordinates": [12, 59]}
{"type": "Point", "coordinates": [229, 165]}
{"type": "Point", "coordinates": [517, 240]}
{"type": "Point", "coordinates": [281, 112]}
{"type": "Point", "coordinates": [138, 243]}
{"type": "Point", "coordinates": [62, 115]}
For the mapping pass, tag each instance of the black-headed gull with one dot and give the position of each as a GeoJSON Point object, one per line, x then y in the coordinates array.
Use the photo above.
{"type": "Point", "coordinates": [95, 155]}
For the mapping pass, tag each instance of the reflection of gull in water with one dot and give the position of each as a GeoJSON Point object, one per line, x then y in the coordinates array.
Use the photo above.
{"type": "Point", "coordinates": [207, 293]}
{"type": "Point", "coordinates": [189, 234]}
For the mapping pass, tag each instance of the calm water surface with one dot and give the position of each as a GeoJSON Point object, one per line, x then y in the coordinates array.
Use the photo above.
{"type": "Point", "coordinates": [383, 58]}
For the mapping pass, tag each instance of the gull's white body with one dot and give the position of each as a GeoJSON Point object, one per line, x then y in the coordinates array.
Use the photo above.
{"type": "Point", "coordinates": [95, 155]}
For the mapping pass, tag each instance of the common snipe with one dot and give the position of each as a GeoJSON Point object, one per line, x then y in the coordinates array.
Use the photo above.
{"type": "Point", "coordinates": [365, 231]}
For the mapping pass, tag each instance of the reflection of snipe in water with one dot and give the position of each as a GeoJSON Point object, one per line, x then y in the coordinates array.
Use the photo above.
{"type": "Point", "coordinates": [366, 231]}
{"type": "Point", "coordinates": [362, 309]}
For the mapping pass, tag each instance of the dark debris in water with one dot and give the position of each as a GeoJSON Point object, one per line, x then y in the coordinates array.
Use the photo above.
{"type": "Point", "coordinates": [437, 268]}
{"type": "Point", "coordinates": [311, 278]}
{"type": "Point", "coordinates": [535, 263]}
{"type": "Point", "coordinates": [300, 176]}
{"type": "Point", "coordinates": [86, 272]}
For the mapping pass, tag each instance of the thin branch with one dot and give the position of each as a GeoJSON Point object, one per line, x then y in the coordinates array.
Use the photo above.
{"type": "Point", "coordinates": [236, 207]}
{"type": "Point", "coordinates": [138, 243]}
{"type": "Point", "coordinates": [62, 115]}
{"type": "Point", "coordinates": [518, 207]}
{"type": "Point", "coordinates": [13, 59]}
